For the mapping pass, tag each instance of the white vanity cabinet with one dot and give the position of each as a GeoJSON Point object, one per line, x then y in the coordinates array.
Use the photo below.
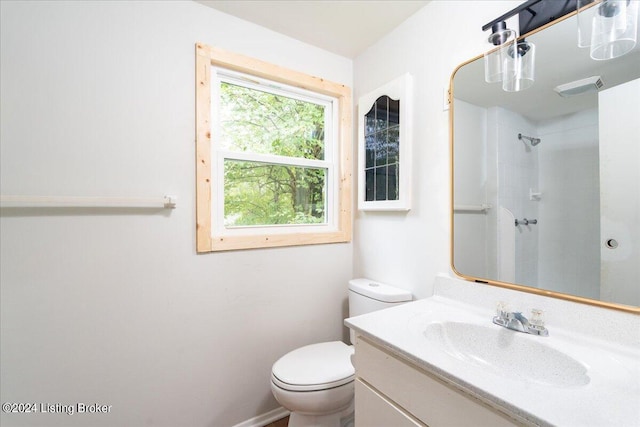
{"type": "Point", "coordinates": [435, 362]}
{"type": "Point", "coordinates": [393, 392]}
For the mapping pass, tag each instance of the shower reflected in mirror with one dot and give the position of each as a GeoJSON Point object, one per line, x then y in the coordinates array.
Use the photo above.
{"type": "Point", "coordinates": [581, 186]}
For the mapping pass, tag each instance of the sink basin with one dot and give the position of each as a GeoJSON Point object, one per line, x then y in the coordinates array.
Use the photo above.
{"type": "Point", "coordinates": [507, 353]}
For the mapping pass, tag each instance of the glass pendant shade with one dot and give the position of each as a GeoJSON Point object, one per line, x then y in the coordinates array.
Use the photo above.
{"type": "Point", "coordinates": [519, 67]}
{"type": "Point", "coordinates": [494, 59]}
{"type": "Point", "coordinates": [585, 22]}
{"type": "Point", "coordinates": [609, 28]}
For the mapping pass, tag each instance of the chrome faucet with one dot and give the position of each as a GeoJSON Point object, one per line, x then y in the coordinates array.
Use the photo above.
{"type": "Point", "coordinates": [517, 322]}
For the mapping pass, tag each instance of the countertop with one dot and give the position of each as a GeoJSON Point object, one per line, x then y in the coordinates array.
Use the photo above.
{"type": "Point", "coordinates": [611, 397]}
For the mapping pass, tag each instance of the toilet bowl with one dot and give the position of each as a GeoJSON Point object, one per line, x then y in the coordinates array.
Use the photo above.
{"type": "Point", "coordinates": [316, 382]}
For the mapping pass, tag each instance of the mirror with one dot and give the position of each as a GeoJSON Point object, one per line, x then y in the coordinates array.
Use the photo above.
{"type": "Point", "coordinates": [546, 189]}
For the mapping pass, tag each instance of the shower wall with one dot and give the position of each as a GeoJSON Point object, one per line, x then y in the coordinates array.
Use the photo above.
{"type": "Point", "coordinates": [570, 204]}
{"type": "Point", "coordinates": [502, 180]}
{"type": "Point", "coordinates": [563, 169]}
{"type": "Point", "coordinates": [517, 167]}
{"type": "Point", "coordinates": [474, 244]}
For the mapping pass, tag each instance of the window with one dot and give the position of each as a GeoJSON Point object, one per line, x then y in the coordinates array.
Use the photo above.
{"type": "Point", "coordinates": [275, 151]}
{"type": "Point", "coordinates": [273, 164]}
{"type": "Point", "coordinates": [384, 134]}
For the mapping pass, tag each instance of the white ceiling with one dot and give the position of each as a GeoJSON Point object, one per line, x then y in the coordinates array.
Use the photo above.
{"type": "Point", "coordinates": [344, 27]}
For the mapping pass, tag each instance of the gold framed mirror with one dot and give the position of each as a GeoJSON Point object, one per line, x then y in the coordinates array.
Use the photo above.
{"type": "Point", "coordinates": [545, 189]}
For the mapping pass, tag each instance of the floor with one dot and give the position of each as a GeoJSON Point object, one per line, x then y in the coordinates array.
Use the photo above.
{"type": "Point", "coordinates": [280, 423]}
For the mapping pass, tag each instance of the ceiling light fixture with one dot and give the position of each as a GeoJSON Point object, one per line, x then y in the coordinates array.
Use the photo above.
{"type": "Point", "coordinates": [608, 27]}
{"type": "Point", "coordinates": [494, 60]}
{"type": "Point", "coordinates": [510, 61]}
{"type": "Point", "coordinates": [519, 66]}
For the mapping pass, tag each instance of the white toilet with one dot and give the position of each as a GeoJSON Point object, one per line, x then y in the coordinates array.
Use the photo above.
{"type": "Point", "coordinates": [316, 382]}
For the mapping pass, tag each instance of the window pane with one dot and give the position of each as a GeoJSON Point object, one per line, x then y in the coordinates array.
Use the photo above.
{"type": "Point", "coordinates": [370, 122]}
{"type": "Point", "coordinates": [392, 182]}
{"type": "Point", "coordinates": [394, 112]}
{"type": "Point", "coordinates": [393, 145]}
{"type": "Point", "coordinates": [381, 148]}
{"type": "Point", "coordinates": [381, 113]}
{"type": "Point", "coordinates": [261, 122]}
{"type": "Point", "coordinates": [381, 183]}
{"type": "Point", "coordinates": [370, 150]}
{"type": "Point", "coordinates": [267, 194]}
{"type": "Point", "coordinates": [370, 185]}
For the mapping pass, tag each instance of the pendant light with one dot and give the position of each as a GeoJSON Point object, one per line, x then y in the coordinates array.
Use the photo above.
{"type": "Point", "coordinates": [608, 27]}
{"type": "Point", "coordinates": [509, 61]}
{"type": "Point", "coordinates": [519, 66]}
{"type": "Point", "coordinates": [494, 60]}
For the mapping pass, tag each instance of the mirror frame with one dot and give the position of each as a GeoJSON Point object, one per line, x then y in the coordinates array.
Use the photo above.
{"type": "Point", "coordinates": [507, 285]}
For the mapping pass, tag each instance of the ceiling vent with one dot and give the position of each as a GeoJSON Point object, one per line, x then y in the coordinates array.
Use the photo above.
{"type": "Point", "coordinates": [590, 84]}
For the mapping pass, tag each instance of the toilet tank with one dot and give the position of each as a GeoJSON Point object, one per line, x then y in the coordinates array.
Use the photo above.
{"type": "Point", "coordinates": [367, 295]}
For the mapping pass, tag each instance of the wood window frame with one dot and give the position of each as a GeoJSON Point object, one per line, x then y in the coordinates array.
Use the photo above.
{"type": "Point", "coordinates": [206, 238]}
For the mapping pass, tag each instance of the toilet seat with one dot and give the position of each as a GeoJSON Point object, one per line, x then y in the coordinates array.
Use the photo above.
{"type": "Point", "coordinates": [314, 367]}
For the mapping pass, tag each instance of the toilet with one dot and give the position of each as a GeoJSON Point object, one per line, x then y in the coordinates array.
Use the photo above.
{"type": "Point", "coordinates": [316, 382]}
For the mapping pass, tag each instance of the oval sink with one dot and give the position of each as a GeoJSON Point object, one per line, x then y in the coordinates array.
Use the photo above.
{"type": "Point", "coordinates": [507, 353]}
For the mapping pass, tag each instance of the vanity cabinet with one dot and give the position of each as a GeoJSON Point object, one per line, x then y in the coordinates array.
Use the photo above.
{"type": "Point", "coordinates": [393, 392]}
{"type": "Point", "coordinates": [375, 409]}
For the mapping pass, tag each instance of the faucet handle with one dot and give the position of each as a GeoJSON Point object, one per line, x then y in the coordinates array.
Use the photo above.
{"type": "Point", "coordinates": [537, 318]}
{"type": "Point", "coordinates": [502, 310]}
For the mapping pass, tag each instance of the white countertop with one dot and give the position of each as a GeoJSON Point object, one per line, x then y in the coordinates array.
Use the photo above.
{"type": "Point", "coordinates": [610, 398]}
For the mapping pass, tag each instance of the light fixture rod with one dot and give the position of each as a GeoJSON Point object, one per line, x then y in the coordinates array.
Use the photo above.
{"type": "Point", "coordinates": [523, 6]}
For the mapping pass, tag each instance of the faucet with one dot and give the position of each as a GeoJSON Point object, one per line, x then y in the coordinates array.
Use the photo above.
{"type": "Point", "coordinates": [517, 322]}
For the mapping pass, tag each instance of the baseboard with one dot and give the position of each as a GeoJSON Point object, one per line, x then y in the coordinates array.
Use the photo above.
{"type": "Point", "coordinates": [264, 419]}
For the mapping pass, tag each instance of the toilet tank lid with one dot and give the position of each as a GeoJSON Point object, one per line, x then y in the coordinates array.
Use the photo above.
{"type": "Point", "coordinates": [379, 291]}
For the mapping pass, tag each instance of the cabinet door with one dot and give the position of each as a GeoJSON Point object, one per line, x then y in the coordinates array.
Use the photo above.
{"type": "Point", "coordinates": [427, 398]}
{"type": "Point", "coordinates": [384, 147]}
{"type": "Point", "coordinates": [374, 410]}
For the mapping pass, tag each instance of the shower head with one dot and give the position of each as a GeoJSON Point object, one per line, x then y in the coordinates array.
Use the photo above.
{"type": "Point", "coordinates": [533, 141]}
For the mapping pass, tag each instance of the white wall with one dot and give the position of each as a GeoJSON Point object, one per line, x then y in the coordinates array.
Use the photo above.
{"type": "Point", "coordinates": [115, 307]}
{"type": "Point", "coordinates": [620, 192]}
{"type": "Point", "coordinates": [409, 249]}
